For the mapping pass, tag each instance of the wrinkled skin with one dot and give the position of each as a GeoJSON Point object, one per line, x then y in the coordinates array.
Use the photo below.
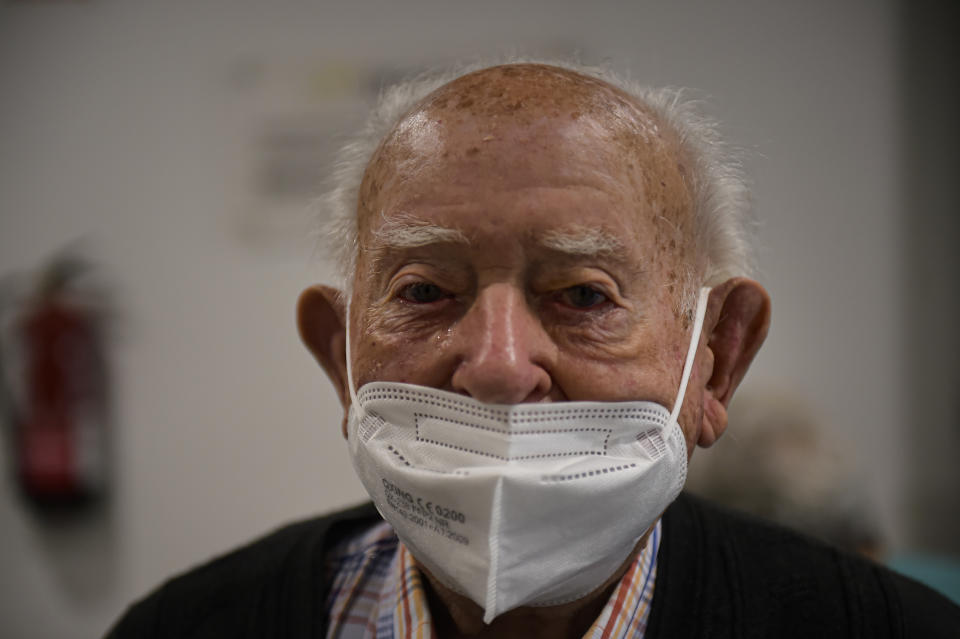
{"type": "Point", "coordinates": [504, 158]}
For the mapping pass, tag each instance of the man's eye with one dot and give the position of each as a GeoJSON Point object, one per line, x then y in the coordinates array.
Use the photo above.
{"type": "Point", "coordinates": [582, 296]}
{"type": "Point", "coordinates": [422, 293]}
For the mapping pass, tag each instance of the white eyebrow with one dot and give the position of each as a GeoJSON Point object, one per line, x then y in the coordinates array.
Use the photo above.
{"type": "Point", "coordinates": [581, 240]}
{"type": "Point", "coordinates": [405, 231]}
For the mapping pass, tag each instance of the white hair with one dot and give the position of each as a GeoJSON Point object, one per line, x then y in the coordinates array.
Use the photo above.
{"type": "Point", "coordinates": [723, 220]}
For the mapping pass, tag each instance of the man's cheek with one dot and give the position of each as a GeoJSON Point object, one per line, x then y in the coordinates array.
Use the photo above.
{"type": "Point", "coordinates": [397, 358]}
{"type": "Point", "coordinates": [407, 323]}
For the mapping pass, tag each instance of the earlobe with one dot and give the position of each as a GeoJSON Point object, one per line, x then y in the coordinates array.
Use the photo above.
{"type": "Point", "coordinates": [740, 312]}
{"type": "Point", "coordinates": [714, 421]}
{"type": "Point", "coordinates": [321, 321]}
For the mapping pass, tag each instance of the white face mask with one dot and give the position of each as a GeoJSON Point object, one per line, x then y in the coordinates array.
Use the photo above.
{"type": "Point", "coordinates": [514, 505]}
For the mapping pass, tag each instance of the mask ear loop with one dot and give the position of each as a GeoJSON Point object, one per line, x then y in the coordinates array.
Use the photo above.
{"type": "Point", "coordinates": [691, 351]}
{"type": "Point", "coordinates": [354, 402]}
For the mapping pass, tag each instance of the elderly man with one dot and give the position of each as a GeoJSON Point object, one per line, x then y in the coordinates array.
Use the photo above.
{"type": "Point", "coordinates": [545, 310]}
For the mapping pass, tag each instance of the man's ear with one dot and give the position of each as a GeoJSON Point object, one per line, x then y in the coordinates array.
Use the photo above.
{"type": "Point", "coordinates": [740, 312]}
{"type": "Point", "coordinates": [321, 320]}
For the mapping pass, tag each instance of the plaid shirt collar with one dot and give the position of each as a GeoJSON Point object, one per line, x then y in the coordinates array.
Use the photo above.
{"type": "Point", "coordinates": [377, 592]}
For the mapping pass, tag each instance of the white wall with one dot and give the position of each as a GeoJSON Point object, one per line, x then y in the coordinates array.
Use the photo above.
{"type": "Point", "coordinates": [119, 124]}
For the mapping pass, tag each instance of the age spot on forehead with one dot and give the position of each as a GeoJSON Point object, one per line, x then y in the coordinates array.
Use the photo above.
{"type": "Point", "coordinates": [525, 92]}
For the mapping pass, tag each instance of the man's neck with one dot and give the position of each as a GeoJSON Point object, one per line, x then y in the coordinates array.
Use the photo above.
{"type": "Point", "coordinates": [456, 616]}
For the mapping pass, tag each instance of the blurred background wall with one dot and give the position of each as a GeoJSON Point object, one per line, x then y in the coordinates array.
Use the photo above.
{"type": "Point", "coordinates": [177, 144]}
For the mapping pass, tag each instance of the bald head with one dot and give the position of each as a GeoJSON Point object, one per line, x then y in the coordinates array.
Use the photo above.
{"type": "Point", "coordinates": [525, 92]}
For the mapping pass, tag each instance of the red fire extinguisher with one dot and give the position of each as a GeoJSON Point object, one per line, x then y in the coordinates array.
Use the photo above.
{"type": "Point", "coordinates": [58, 399]}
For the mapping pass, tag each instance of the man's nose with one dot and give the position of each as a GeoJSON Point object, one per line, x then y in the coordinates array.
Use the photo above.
{"type": "Point", "coordinates": [503, 350]}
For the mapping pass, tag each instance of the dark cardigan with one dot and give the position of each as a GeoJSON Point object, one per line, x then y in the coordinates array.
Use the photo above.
{"type": "Point", "coordinates": [719, 574]}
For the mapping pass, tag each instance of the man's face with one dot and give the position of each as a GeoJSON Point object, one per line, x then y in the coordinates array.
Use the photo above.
{"type": "Point", "coordinates": [524, 254]}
